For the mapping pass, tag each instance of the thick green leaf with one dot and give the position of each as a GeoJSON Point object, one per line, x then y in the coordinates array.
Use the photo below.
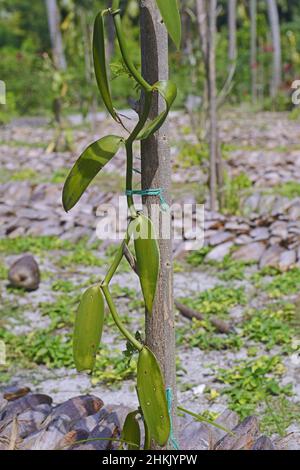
{"type": "Point", "coordinates": [131, 431]}
{"type": "Point", "coordinates": [170, 14]}
{"type": "Point", "coordinates": [88, 329]}
{"type": "Point", "coordinates": [100, 64]}
{"type": "Point", "coordinates": [147, 256]}
{"type": "Point", "coordinates": [90, 162]}
{"type": "Point", "coordinates": [168, 91]}
{"type": "Point", "coordinates": [152, 396]}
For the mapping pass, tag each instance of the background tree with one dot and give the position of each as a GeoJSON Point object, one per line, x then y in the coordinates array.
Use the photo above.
{"type": "Point", "coordinates": [253, 49]}
{"type": "Point", "coordinates": [276, 43]}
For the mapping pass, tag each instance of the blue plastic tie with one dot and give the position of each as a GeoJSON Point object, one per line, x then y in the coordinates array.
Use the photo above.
{"type": "Point", "coordinates": [150, 192]}
{"type": "Point", "coordinates": [172, 438]}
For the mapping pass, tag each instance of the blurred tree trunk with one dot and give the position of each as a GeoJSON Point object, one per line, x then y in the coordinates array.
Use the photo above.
{"type": "Point", "coordinates": [206, 18]}
{"type": "Point", "coordinates": [55, 35]}
{"type": "Point", "coordinates": [156, 172]}
{"type": "Point", "coordinates": [110, 35]}
{"type": "Point", "coordinates": [253, 53]}
{"type": "Point", "coordinates": [232, 49]}
{"type": "Point", "coordinates": [276, 41]}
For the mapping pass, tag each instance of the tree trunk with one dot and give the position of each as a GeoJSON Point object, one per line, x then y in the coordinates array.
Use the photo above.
{"type": "Point", "coordinates": [212, 95]}
{"type": "Point", "coordinates": [276, 40]}
{"type": "Point", "coordinates": [202, 27]}
{"type": "Point", "coordinates": [253, 59]}
{"type": "Point", "coordinates": [55, 35]}
{"type": "Point", "coordinates": [156, 172]}
{"type": "Point", "coordinates": [232, 49]}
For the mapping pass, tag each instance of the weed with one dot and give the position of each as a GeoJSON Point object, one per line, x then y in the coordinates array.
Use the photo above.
{"type": "Point", "coordinates": [284, 284]}
{"type": "Point", "coordinates": [3, 272]}
{"type": "Point", "coordinates": [218, 300]}
{"type": "Point", "coordinates": [35, 245]}
{"type": "Point", "coordinates": [252, 382]}
{"type": "Point", "coordinates": [269, 326]}
{"type": "Point", "coordinates": [203, 335]}
{"type": "Point", "coordinates": [234, 189]}
{"type": "Point", "coordinates": [192, 154]}
{"type": "Point", "coordinates": [196, 258]}
{"type": "Point", "coordinates": [63, 285]}
{"type": "Point", "coordinates": [279, 415]}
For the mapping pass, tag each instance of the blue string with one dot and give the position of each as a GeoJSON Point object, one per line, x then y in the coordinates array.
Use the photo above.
{"type": "Point", "coordinates": [172, 438]}
{"type": "Point", "coordinates": [150, 192]}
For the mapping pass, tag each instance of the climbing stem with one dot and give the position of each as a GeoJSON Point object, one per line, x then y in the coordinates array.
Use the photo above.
{"type": "Point", "coordinates": [117, 319]}
{"type": "Point", "coordinates": [129, 148]}
{"type": "Point", "coordinates": [124, 50]}
{"type": "Point", "coordinates": [117, 260]}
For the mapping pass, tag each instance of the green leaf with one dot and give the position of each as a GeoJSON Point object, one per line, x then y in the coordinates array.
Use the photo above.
{"type": "Point", "coordinates": [100, 64]}
{"type": "Point", "coordinates": [88, 329]}
{"type": "Point", "coordinates": [147, 256]}
{"type": "Point", "coordinates": [152, 397]}
{"type": "Point", "coordinates": [88, 165]}
{"type": "Point", "coordinates": [131, 431]}
{"type": "Point", "coordinates": [171, 16]}
{"type": "Point", "coordinates": [168, 90]}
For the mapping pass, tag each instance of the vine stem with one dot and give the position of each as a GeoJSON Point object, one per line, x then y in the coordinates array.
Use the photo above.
{"type": "Point", "coordinates": [129, 149]}
{"type": "Point", "coordinates": [117, 319]}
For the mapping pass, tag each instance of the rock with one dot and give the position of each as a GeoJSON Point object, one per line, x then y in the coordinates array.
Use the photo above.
{"type": "Point", "coordinates": [13, 393]}
{"type": "Point", "coordinates": [196, 436]}
{"type": "Point", "coordinates": [236, 227]}
{"type": "Point", "coordinates": [30, 401]}
{"type": "Point", "coordinates": [287, 260]}
{"type": "Point", "coordinates": [271, 256]}
{"type": "Point", "coordinates": [50, 436]}
{"type": "Point", "coordinates": [25, 273]}
{"type": "Point", "coordinates": [244, 437]}
{"type": "Point", "coordinates": [289, 442]}
{"type": "Point", "coordinates": [29, 421]}
{"type": "Point", "coordinates": [263, 443]}
{"type": "Point", "coordinates": [279, 229]}
{"type": "Point", "coordinates": [3, 403]}
{"type": "Point", "coordinates": [218, 253]}
{"type": "Point", "coordinates": [243, 240]}
{"type": "Point", "coordinates": [250, 252]}
{"type": "Point", "coordinates": [221, 237]}
{"type": "Point", "coordinates": [78, 407]}
{"type": "Point", "coordinates": [260, 234]}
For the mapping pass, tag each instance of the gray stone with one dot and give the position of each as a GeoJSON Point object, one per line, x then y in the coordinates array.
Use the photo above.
{"type": "Point", "coordinates": [279, 229]}
{"type": "Point", "coordinates": [219, 252]}
{"type": "Point", "coordinates": [221, 237]}
{"type": "Point", "coordinates": [25, 273]}
{"type": "Point", "coordinates": [289, 442]}
{"type": "Point", "coordinates": [271, 257]}
{"type": "Point", "coordinates": [260, 233]}
{"type": "Point", "coordinates": [287, 260]}
{"type": "Point", "coordinates": [250, 252]}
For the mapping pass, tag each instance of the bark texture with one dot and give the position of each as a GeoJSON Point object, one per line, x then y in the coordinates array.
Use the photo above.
{"type": "Point", "coordinates": [276, 42]}
{"type": "Point", "coordinates": [55, 34]}
{"type": "Point", "coordinates": [253, 48]}
{"type": "Point", "coordinates": [156, 173]}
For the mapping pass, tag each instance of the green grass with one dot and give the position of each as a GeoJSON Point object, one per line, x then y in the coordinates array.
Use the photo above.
{"type": "Point", "coordinates": [280, 414]}
{"type": "Point", "coordinates": [26, 174]}
{"type": "Point", "coordinates": [35, 245]}
{"type": "Point", "coordinates": [252, 382]}
{"type": "Point", "coordinates": [202, 335]}
{"type": "Point", "coordinates": [23, 143]}
{"type": "Point", "coordinates": [218, 300]}
{"type": "Point", "coordinates": [3, 272]}
{"type": "Point", "coordinates": [290, 189]}
{"type": "Point", "coordinates": [283, 284]}
{"type": "Point", "coordinates": [271, 327]}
